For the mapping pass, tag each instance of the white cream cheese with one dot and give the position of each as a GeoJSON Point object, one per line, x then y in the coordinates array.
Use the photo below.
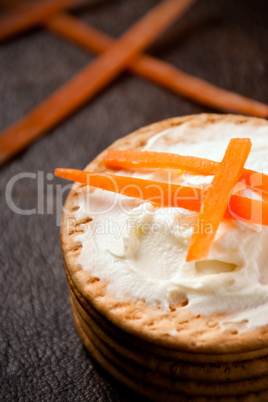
{"type": "Point", "coordinates": [140, 250]}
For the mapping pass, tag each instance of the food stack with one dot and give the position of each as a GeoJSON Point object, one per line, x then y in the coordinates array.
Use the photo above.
{"type": "Point", "coordinates": [172, 354]}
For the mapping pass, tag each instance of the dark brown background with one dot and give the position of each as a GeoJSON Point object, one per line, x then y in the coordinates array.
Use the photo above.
{"type": "Point", "coordinates": [225, 42]}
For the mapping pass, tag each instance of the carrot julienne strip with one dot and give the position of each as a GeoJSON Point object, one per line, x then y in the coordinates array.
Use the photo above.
{"type": "Point", "coordinates": [248, 210]}
{"type": "Point", "coordinates": [148, 67]}
{"type": "Point", "coordinates": [93, 78]}
{"type": "Point", "coordinates": [167, 194]}
{"type": "Point", "coordinates": [131, 159]}
{"type": "Point", "coordinates": [159, 71]}
{"type": "Point", "coordinates": [27, 15]}
{"type": "Point", "coordinates": [216, 200]}
{"type": "Point", "coordinates": [156, 70]}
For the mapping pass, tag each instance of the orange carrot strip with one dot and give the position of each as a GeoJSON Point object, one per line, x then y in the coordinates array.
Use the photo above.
{"type": "Point", "coordinates": [129, 159]}
{"type": "Point", "coordinates": [159, 71]}
{"type": "Point", "coordinates": [151, 68]}
{"type": "Point", "coordinates": [248, 210]}
{"type": "Point", "coordinates": [28, 15]}
{"type": "Point", "coordinates": [216, 200]}
{"type": "Point", "coordinates": [156, 70]}
{"type": "Point", "coordinates": [166, 194]}
{"type": "Point", "coordinates": [92, 79]}
{"type": "Point", "coordinates": [201, 91]}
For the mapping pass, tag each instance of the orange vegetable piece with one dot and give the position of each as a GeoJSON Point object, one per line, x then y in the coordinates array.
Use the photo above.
{"type": "Point", "coordinates": [159, 71]}
{"type": "Point", "coordinates": [128, 159]}
{"type": "Point", "coordinates": [153, 69]}
{"type": "Point", "coordinates": [92, 79]}
{"type": "Point", "coordinates": [166, 194]}
{"type": "Point", "coordinates": [27, 15]}
{"type": "Point", "coordinates": [216, 200]}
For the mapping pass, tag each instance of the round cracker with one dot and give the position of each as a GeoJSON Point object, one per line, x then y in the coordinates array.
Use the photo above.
{"type": "Point", "coordinates": [196, 335]}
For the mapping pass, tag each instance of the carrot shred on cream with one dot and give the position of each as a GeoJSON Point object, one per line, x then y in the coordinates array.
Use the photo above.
{"type": "Point", "coordinates": [167, 194]}
{"type": "Point", "coordinates": [132, 159]}
{"type": "Point", "coordinates": [216, 201]}
{"type": "Point", "coordinates": [164, 194]}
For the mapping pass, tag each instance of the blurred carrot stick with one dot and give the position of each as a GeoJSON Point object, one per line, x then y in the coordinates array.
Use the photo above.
{"type": "Point", "coordinates": [28, 15]}
{"type": "Point", "coordinates": [159, 71]}
{"type": "Point", "coordinates": [155, 70]}
{"type": "Point", "coordinates": [149, 67]}
{"type": "Point", "coordinates": [91, 79]}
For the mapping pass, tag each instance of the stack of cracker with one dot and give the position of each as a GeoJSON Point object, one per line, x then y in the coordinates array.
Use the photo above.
{"type": "Point", "coordinates": [164, 355]}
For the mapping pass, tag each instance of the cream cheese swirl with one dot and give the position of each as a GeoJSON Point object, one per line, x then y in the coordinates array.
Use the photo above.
{"type": "Point", "coordinates": [140, 250]}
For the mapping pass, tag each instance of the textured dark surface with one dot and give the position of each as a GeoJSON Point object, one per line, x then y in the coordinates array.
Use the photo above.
{"type": "Point", "coordinates": [225, 42]}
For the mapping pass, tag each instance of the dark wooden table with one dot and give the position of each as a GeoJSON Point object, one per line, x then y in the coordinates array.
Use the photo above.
{"type": "Point", "coordinates": [225, 42]}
